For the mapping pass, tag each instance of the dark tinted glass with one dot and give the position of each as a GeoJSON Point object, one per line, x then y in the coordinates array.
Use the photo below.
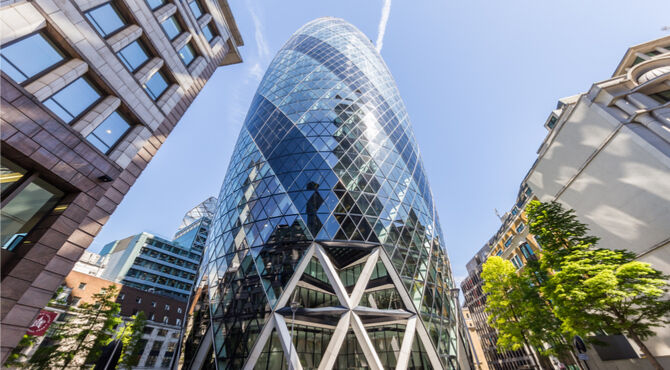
{"type": "Point", "coordinates": [133, 55]}
{"type": "Point", "coordinates": [105, 19]}
{"type": "Point", "coordinates": [156, 85]}
{"type": "Point", "coordinates": [171, 27]}
{"type": "Point", "coordinates": [187, 54]}
{"type": "Point", "coordinates": [73, 99]}
{"type": "Point", "coordinates": [28, 57]}
{"type": "Point", "coordinates": [209, 34]}
{"type": "Point", "coordinates": [108, 132]}
{"type": "Point", "coordinates": [196, 9]}
{"type": "Point", "coordinates": [155, 4]}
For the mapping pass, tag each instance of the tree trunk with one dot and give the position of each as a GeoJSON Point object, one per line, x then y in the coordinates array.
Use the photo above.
{"type": "Point", "coordinates": [647, 352]}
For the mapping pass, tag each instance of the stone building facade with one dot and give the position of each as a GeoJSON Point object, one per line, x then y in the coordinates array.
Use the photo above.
{"type": "Point", "coordinates": [82, 119]}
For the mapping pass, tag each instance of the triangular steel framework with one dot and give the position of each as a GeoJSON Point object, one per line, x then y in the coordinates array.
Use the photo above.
{"type": "Point", "coordinates": [350, 316]}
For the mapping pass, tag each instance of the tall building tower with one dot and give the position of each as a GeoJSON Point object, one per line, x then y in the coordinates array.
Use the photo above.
{"type": "Point", "coordinates": [90, 91]}
{"type": "Point", "coordinates": [325, 250]}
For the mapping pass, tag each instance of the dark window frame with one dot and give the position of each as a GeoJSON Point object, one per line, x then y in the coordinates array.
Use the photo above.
{"type": "Point", "coordinates": [45, 34]}
{"type": "Point", "coordinates": [143, 45]}
{"type": "Point", "coordinates": [118, 11]}
{"type": "Point", "coordinates": [131, 125]}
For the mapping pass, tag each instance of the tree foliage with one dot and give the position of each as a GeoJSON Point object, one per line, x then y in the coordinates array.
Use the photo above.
{"type": "Point", "coordinates": [594, 289]}
{"type": "Point", "coordinates": [132, 341]}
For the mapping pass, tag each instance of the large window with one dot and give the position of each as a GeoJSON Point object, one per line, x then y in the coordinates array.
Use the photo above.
{"type": "Point", "coordinates": [108, 132]}
{"type": "Point", "coordinates": [172, 27]}
{"type": "Point", "coordinates": [662, 96]}
{"type": "Point", "coordinates": [73, 99]}
{"type": "Point", "coordinates": [134, 55]}
{"type": "Point", "coordinates": [155, 4]}
{"type": "Point", "coordinates": [26, 199]}
{"type": "Point", "coordinates": [156, 85]}
{"type": "Point", "coordinates": [106, 19]}
{"type": "Point", "coordinates": [209, 32]}
{"type": "Point", "coordinates": [196, 9]}
{"type": "Point", "coordinates": [29, 56]}
{"type": "Point", "coordinates": [187, 54]}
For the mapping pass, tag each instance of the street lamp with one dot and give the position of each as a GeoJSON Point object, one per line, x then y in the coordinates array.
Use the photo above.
{"type": "Point", "coordinates": [294, 307]}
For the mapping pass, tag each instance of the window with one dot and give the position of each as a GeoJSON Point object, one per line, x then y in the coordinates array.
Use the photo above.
{"type": "Point", "coordinates": [526, 250]}
{"type": "Point", "coordinates": [519, 228]}
{"type": "Point", "coordinates": [21, 61]}
{"type": "Point", "coordinates": [28, 198]}
{"type": "Point", "coordinates": [156, 85]}
{"type": "Point", "coordinates": [195, 9]}
{"type": "Point", "coordinates": [178, 309]}
{"type": "Point", "coordinates": [171, 27]}
{"type": "Point", "coordinates": [661, 97]}
{"type": "Point", "coordinates": [165, 320]}
{"type": "Point", "coordinates": [552, 121]}
{"type": "Point", "coordinates": [508, 241]}
{"type": "Point", "coordinates": [162, 333]}
{"type": "Point", "coordinates": [638, 60]}
{"type": "Point", "coordinates": [75, 301]}
{"type": "Point", "coordinates": [516, 261]}
{"type": "Point", "coordinates": [515, 211]}
{"type": "Point", "coordinates": [153, 304]}
{"type": "Point", "coordinates": [167, 307]}
{"type": "Point", "coordinates": [500, 252]}
{"type": "Point", "coordinates": [178, 321]}
{"type": "Point", "coordinates": [105, 19]}
{"type": "Point", "coordinates": [153, 317]}
{"type": "Point", "coordinates": [155, 4]}
{"type": "Point", "coordinates": [148, 330]}
{"type": "Point", "coordinates": [138, 300]}
{"type": "Point", "coordinates": [122, 296]}
{"type": "Point", "coordinates": [73, 99]}
{"type": "Point", "coordinates": [82, 286]}
{"type": "Point", "coordinates": [134, 55]}
{"type": "Point", "coordinates": [187, 54]}
{"type": "Point", "coordinates": [108, 132]}
{"type": "Point", "coordinates": [209, 32]}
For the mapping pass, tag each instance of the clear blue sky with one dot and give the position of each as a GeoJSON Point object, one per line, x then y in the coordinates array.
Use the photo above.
{"type": "Point", "coordinates": [479, 79]}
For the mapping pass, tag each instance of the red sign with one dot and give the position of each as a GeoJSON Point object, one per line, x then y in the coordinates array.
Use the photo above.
{"type": "Point", "coordinates": [42, 323]}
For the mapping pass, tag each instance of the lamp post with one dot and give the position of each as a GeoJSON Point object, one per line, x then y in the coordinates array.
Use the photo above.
{"type": "Point", "coordinates": [294, 308]}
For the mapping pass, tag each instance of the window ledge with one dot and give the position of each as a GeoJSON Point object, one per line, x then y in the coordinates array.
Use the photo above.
{"type": "Point", "coordinates": [197, 66]}
{"type": "Point", "coordinates": [95, 116]}
{"type": "Point", "coordinates": [165, 12]}
{"type": "Point", "coordinates": [124, 37]}
{"type": "Point", "coordinates": [204, 20]}
{"type": "Point", "coordinates": [148, 70]}
{"type": "Point", "coordinates": [181, 40]}
{"type": "Point", "coordinates": [57, 79]}
{"type": "Point", "coordinates": [170, 98]}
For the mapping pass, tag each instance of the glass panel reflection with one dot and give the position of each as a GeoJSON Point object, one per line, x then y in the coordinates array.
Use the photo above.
{"type": "Point", "coordinates": [105, 19]}
{"type": "Point", "coordinates": [187, 54]}
{"type": "Point", "coordinates": [134, 55]}
{"type": "Point", "coordinates": [73, 99]}
{"type": "Point", "coordinates": [108, 132]}
{"type": "Point", "coordinates": [195, 9]}
{"type": "Point", "coordinates": [156, 85]}
{"type": "Point", "coordinates": [172, 27]}
{"type": "Point", "coordinates": [28, 57]}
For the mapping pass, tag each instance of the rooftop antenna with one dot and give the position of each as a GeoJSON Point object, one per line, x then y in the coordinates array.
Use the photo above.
{"type": "Point", "coordinates": [498, 214]}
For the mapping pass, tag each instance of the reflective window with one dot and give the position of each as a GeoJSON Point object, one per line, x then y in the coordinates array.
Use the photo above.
{"type": "Point", "coordinates": [156, 85]}
{"type": "Point", "coordinates": [20, 60]}
{"type": "Point", "coordinates": [155, 4]}
{"type": "Point", "coordinates": [187, 54]}
{"type": "Point", "coordinates": [28, 204]}
{"type": "Point", "coordinates": [662, 96]}
{"type": "Point", "coordinates": [134, 55]}
{"type": "Point", "coordinates": [208, 32]}
{"type": "Point", "coordinates": [172, 27]}
{"type": "Point", "coordinates": [108, 133]}
{"type": "Point", "coordinates": [195, 9]}
{"type": "Point", "coordinates": [73, 99]}
{"type": "Point", "coordinates": [106, 19]}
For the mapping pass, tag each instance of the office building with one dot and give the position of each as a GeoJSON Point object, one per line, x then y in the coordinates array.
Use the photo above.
{"type": "Point", "coordinates": [326, 225]}
{"type": "Point", "coordinates": [479, 362]}
{"type": "Point", "coordinates": [90, 91]}
{"type": "Point", "coordinates": [607, 156]}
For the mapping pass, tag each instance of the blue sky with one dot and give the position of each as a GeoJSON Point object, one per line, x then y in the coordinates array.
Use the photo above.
{"type": "Point", "coordinates": [479, 79]}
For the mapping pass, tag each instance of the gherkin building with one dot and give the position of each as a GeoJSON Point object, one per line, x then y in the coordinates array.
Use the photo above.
{"type": "Point", "coordinates": [326, 250]}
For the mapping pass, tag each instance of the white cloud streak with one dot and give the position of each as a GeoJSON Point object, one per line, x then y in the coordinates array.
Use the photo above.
{"type": "Point", "coordinates": [261, 43]}
{"type": "Point", "coordinates": [381, 29]}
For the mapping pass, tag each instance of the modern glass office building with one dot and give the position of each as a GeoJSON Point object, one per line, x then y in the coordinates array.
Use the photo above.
{"type": "Point", "coordinates": [326, 250]}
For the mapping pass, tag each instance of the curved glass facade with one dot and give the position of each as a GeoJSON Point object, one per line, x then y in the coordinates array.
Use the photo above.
{"type": "Point", "coordinates": [326, 208]}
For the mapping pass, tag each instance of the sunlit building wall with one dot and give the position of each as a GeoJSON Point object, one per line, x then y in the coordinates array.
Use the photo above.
{"type": "Point", "coordinates": [90, 91]}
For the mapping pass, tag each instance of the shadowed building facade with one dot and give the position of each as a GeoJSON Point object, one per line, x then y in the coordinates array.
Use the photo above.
{"type": "Point", "coordinates": [325, 250]}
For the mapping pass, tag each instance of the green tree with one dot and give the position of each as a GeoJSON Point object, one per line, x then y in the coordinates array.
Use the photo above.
{"type": "Point", "coordinates": [132, 341]}
{"type": "Point", "coordinates": [519, 313]}
{"type": "Point", "coordinates": [595, 289]}
{"type": "Point", "coordinates": [92, 326]}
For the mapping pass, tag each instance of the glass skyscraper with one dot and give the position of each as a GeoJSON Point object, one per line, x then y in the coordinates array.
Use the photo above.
{"type": "Point", "coordinates": [326, 250]}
